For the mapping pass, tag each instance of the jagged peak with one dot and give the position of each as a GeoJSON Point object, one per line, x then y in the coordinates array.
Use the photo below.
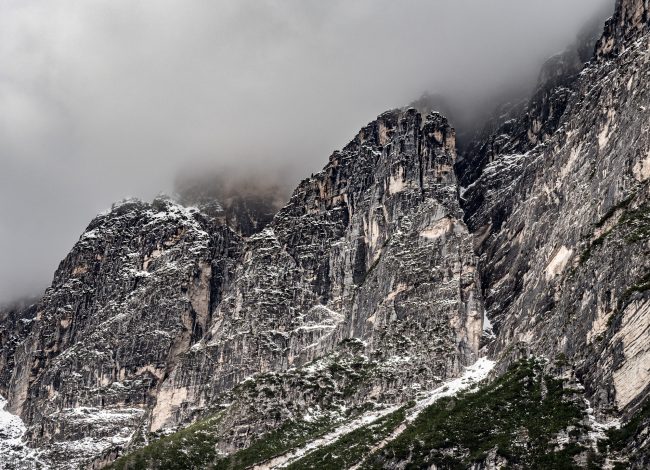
{"type": "Point", "coordinates": [394, 123]}
{"type": "Point", "coordinates": [631, 19]}
{"type": "Point", "coordinates": [434, 102]}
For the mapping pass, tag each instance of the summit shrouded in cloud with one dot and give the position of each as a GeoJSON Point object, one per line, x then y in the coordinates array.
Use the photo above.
{"type": "Point", "coordinates": [390, 234]}
{"type": "Point", "coordinates": [102, 100]}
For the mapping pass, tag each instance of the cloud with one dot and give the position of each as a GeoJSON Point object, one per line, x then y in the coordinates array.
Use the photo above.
{"type": "Point", "coordinates": [108, 98]}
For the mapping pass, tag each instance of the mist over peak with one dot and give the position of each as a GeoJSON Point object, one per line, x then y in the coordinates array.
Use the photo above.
{"type": "Point", "coordinates": [104, 99]}
{"type": "Point", "coordinates": [245, 201]}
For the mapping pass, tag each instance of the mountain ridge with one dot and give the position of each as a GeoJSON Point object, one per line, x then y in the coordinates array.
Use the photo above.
{"type": "Point", "coordinates": [370, 287]}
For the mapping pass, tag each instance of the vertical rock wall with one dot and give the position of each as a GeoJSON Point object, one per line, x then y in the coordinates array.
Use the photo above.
{"type": "Point", "coordinates": [159, 310]}
{"type": "Point", "coordinates": [561, 223]}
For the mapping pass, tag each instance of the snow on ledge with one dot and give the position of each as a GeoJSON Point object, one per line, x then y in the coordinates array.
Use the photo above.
{"type": "Point", "coordinates": [474, 374]}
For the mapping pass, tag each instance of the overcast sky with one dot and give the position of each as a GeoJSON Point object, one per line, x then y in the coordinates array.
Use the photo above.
{"type": "Point", "coordinates": [102, 99]}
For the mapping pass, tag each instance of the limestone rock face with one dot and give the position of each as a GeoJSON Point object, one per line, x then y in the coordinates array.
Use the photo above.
{"type": "Point", "coordinates": [629, 22]}
{"type": "Point", "coordinates": [369, 287]}
{"type": "Point", "coordinates": [560, 222]}
{"type": "Point", "coordinates": [16, 320]}
{"type": "Point", "coordinates": [134, 293]}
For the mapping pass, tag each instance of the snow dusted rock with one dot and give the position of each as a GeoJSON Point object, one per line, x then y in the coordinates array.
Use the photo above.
{"type": "Point", "coordinates": [160, 310]}
{"type": "Point", "coordinates": [364, 289]}
{"type": "Point", "coordinates": [472, 376]}
{"type": "Point", "coordinates": [134, 293]}
{"type": "Point", "coordinates": [628, 23]}
{"type": "Point", "coordinates": [14, 452]}
{"type": "Point", "coordinates": [16, 321]}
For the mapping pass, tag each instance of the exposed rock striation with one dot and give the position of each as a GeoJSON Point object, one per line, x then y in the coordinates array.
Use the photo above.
{"type": "Point", "coordinates": [134, 293]}
{"type": "Point", "coordinates": [373, 248]}
{"type": "Point", "coordinates": [16, 320]}
{"type": "Point", "coordinates": [630, 22]}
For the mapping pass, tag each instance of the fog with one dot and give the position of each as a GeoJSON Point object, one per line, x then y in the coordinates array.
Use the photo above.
{"type": "Point", "coordinates": [110, 98]}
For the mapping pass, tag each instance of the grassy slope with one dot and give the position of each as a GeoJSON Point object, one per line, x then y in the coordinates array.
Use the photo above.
{"type": "Point", "coordinates": [518, 414]}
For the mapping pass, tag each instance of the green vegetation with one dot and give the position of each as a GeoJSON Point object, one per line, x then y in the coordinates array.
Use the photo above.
{"type": "Point", "coordinates": [610, 213]}
{"type": "Point", "coordinates": [584, 257]}
{"type": "Point", "coordinates": [638, 223]}
{"type": "Point", "coordinates": [642, 285]}
{"type": "Point", "coordinates": [561, 360]}
{"type": "Point", "coordinates": [518, 415]}
{"type": "Point", "coordinates": [618, 439]}
{"type": "Point", "coordinates": [635, 223]}
{"type": "Point", "coordinates": [195, 447]}
{"type": "Point", "coordinates": [352, 447]}
{"type": "Point", "coordinates": [283, 439]}
{"type": "Point", "coordinates": [325, 383]}
{"type": "Point", "coordinates": [192, 447]}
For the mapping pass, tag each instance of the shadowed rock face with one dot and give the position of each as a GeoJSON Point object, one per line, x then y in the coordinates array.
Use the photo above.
{"type": "Point", "coordinates": [15, 325]}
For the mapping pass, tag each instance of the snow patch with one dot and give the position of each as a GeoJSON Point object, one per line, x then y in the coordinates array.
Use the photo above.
{"type": "Point", "coordinates": [14, 452]}
{"type": "Point", "coordinates": [474, 374]}
{"type": "Point", "coordinates": [284, 460]}
{"type": "Point", "coordinates": [488, 328]}
{"type": "Point", "coordinates": [598, 430]}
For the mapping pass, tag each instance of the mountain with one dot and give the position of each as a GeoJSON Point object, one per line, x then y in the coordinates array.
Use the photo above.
{"type": "Point", "coordinates": [416, 304]}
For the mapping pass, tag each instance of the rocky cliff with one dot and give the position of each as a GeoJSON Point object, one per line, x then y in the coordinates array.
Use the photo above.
{"type": "Point", "coordinates": [223, 330]}
{"type": "Point", "coordinates": [371, 248]}
{"type": "Point", "coordinates": [134, 293]}
{"type": "Point", "coordinates": [160, 309]}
